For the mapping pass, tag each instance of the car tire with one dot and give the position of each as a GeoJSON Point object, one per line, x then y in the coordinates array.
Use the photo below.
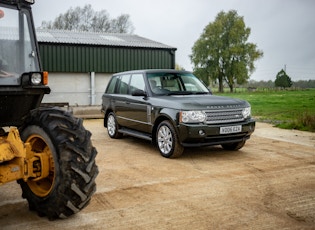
{"type": "Point", "coordinates": [112, 126]}
{"type": "Point", "coordinates": [233, 146]}
{"type": "Point", "coordinates": [167, 140]}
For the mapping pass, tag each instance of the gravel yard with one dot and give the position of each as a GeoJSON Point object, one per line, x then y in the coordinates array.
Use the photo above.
{"type": "Point", "coordinates": [268, 184]}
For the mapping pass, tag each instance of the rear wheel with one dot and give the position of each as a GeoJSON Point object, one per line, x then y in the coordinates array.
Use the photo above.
{"type": "Point", "coordinates": [234, 146]}
{"type": "Point", "coordinates": [167, 140]}
{"type": "Point", "coordinates": [70, 183]}
{"type": "Point", "coordinates": [112, 126]}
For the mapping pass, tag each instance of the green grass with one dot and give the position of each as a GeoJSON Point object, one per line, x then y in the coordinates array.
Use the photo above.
{"type": "Point", "coordinates": [285, 109]}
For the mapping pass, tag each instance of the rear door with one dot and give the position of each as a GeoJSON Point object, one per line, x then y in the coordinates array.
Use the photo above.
{"type": "Point", "coordinates": [138, 111]}
{"type": "Point", "coordinates": [120, 100]}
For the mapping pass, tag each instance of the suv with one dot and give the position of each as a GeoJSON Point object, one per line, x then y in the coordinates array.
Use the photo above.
{"type": "Point", "coordinates": [174, 110]}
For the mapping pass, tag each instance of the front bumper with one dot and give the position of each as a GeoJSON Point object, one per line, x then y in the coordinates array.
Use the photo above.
{"type": "Point", "coordinates": [194, 135]}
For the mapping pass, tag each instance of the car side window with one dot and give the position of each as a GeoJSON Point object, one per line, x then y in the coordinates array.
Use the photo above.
{"type": "Point", "coordinates": [123, 83]}
{"type": "Point", "coordinates": [112, 85]}
{"type": "Point", "coordinates": [137, 83]}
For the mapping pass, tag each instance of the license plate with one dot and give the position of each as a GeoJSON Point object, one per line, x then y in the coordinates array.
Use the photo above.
{"type": "Point", "coordinates": [230, 129]}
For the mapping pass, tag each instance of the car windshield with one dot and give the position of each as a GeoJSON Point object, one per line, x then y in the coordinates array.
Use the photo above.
{"type": "Point", "coordinates": [176, 84]}
{"type": "Point", "coordinates": [17, 46]}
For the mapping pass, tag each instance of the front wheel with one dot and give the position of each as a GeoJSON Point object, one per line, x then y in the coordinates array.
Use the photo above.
{"type": "Point", "coordinates": [167, 140]}
{"type": "Point", "coordinates": [233, 146]}
{"type": "Point", "coordinates": [69, 163]}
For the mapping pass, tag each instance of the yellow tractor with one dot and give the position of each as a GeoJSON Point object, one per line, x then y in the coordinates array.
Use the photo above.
{"type": "Point", "coordinates": [45, 149]}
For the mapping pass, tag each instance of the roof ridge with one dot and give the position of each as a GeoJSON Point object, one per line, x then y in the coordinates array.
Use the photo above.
{"type": "Point", "coordinates": [80, 31]}
{"type": "Point", "coordinates": [97, 38]}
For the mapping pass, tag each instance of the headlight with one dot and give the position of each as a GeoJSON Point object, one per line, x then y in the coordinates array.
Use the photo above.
{"type": "Point", "coordinates": [246, 112]}
{"type": "Point", "coordinates": [36, 78]}
{"type": "Point", "coordinates": [192, 117]}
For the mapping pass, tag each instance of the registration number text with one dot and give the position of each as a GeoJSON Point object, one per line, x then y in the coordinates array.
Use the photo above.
{"type": "Point", "coordinates": [231, 129]}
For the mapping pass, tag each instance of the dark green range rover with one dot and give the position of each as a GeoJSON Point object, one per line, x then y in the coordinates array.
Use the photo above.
{"type": "Point", "coordinates": [174, 109]}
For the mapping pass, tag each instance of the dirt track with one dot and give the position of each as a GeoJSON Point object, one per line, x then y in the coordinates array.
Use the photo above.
{"type": "Point", "coordinates": [269, 184]}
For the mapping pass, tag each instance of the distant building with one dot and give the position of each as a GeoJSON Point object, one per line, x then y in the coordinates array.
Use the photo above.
{"type": "Point", "coordinates": [81, 63]}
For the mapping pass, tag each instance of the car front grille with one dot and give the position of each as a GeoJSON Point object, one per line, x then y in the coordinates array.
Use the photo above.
{"type": "Point", "coordinates": [224, 116]}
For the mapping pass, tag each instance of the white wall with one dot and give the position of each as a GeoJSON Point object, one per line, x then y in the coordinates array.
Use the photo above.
{"type": "Point", "coordinates": [75, 88]}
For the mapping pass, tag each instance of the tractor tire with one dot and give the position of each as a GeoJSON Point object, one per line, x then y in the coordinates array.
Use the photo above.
{"type": "Point", "coordinates": [72, 169]}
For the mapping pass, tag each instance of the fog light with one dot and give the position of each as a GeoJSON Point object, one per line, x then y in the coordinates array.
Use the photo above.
{"type": "Point", "coordinates": [201, 132]}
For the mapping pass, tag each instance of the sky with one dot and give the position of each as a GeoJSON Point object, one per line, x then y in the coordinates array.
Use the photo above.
{"type": "Point", "coordinates": [283, 30]}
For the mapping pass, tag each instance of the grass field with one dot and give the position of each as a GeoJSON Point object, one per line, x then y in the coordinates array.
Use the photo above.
{"type": "Point", "coordinates": [285, 109]}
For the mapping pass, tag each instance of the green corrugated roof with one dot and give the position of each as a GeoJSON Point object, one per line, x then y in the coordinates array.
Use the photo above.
{"type": "Point", "coordinates": [102, 39]}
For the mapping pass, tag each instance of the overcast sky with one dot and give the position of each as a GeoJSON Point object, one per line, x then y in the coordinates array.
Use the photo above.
{"type": "Point", "coordinates": [283, 30]}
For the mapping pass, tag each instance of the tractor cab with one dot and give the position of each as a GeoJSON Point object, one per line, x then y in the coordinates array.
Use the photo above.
{"type": "Point", "coordinates": [22, 83]}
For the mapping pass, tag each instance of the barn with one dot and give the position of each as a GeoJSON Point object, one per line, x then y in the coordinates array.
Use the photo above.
{"type": "Point", "coordinates": [80, 63]}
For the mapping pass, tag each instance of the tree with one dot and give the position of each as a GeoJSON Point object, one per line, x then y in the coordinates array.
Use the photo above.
{"type": "Point", "coordinates": [179, 67]}
{"type": "Point", "coordinates": [86, 19]}
{"type": "Point", "coordinates": [121, 24]}
{"type": "Point", "coordinates": [283, 80]}
{"type": "Point", "coordinates": [222, 52]}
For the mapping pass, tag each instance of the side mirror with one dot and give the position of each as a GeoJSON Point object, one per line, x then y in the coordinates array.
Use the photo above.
{"type": "Point", "coordinates": [139, 92]}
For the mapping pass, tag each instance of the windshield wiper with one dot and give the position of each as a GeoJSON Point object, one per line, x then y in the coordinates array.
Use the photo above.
{"type": "Point", "coordinates": [201, 92]}
{"type": "Point", "coordinates": [179, 93]}
{"type": "Point", "coordinates": [186, 93]}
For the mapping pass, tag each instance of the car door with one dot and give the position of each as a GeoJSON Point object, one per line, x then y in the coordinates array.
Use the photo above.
{"type": "Point", "coordinates": [138, 111]}
{"type": "Point", "coordinates": [120, 100]}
